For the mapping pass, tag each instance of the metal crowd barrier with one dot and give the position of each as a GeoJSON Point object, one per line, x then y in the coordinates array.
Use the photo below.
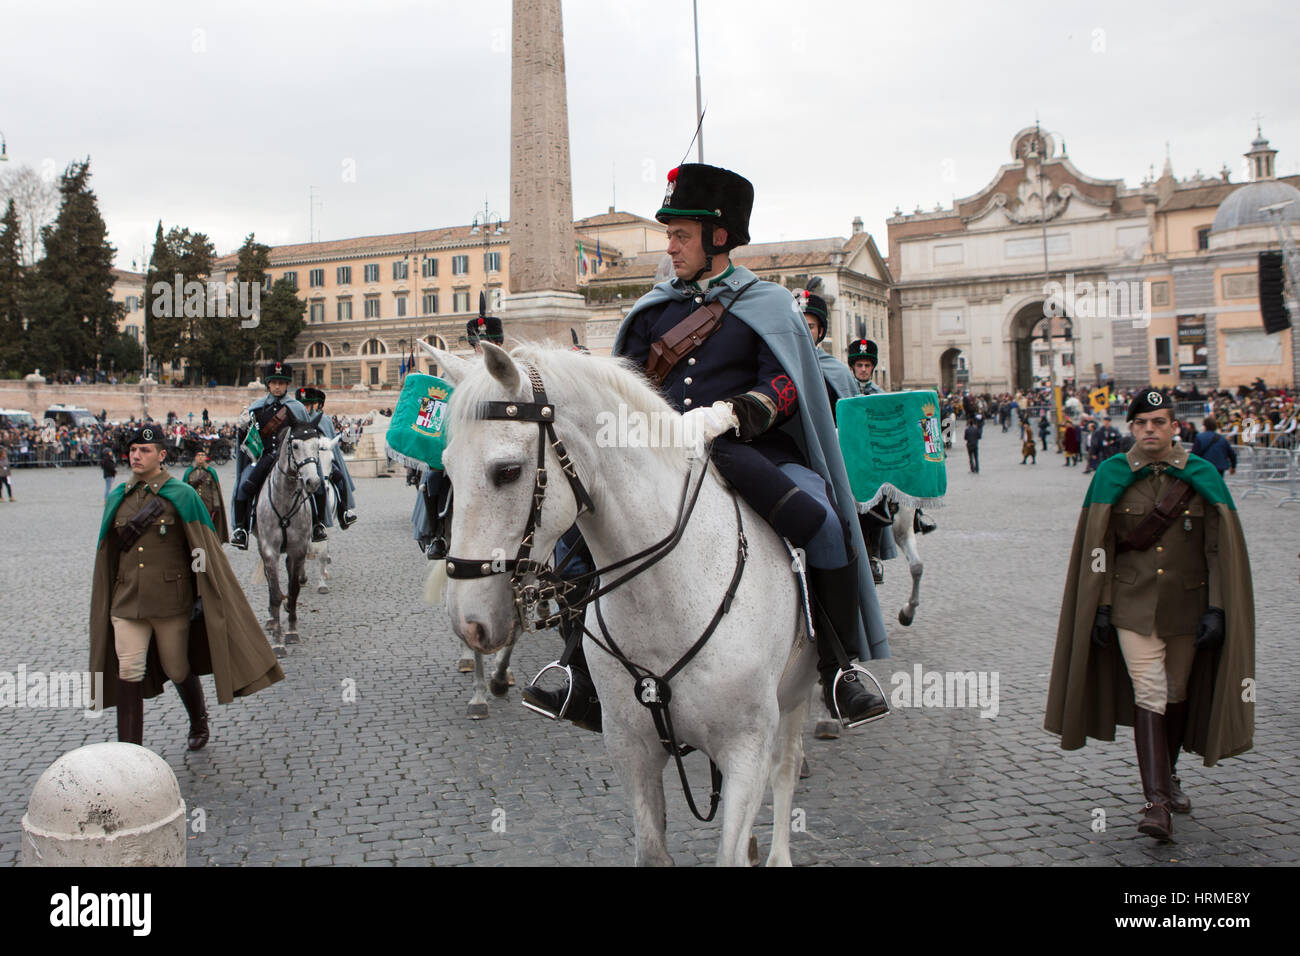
{"type": "Point", "coordinates": [40, 455]}
{"type": "Point", "coordinates": [1266, 470]}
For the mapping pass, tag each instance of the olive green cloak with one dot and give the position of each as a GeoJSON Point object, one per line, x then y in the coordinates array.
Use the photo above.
{"type": "Point", "coordinates": [1091, 691]}
{"type": "Point", "coordinates": [226, 641]}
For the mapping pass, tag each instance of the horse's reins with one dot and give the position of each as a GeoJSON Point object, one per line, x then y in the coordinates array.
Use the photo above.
{"type": "Point", "coordinates": [652, 691]}
{"type": "Point", "coordinates": [300, 496]}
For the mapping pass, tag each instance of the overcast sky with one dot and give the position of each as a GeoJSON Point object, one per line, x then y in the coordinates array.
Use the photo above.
{"type": "Point", "coordinates": [221, 116]}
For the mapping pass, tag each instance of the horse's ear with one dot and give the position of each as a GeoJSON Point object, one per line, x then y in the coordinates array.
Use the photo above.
{"type": "Point", "coordinates": [453, 368]}
{"type": "Point", "coordinates": [315, 420]}
{"type": "Point", "coordinates": [501, 367]}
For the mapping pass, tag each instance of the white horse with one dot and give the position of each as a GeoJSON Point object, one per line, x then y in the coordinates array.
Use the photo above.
{"type": "Point", "coordinates": [743, 698]}
{"type": "Point", "coordinates": [319, 551]}
{"type": "Point", "coordinates": [283, 510]}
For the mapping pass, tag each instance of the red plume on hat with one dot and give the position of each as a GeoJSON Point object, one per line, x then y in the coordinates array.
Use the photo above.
{"type": "Point", "coordinates": [672, 174]}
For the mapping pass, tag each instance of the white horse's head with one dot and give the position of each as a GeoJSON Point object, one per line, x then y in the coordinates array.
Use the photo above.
{"type": "Point", "coordinates": [492, 465]}
{"type": "Point", "coordinates": [302, 454]}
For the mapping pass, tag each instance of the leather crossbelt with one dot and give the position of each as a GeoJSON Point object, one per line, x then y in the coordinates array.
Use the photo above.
{"type": "Point", "coordinates": [274, 423]}
{"type": "Point", "coordinates": [131, 531]}
{"type": "Point", "coordinates": [1171, 504]}
{"type": "Point", "coordinates": [686, 336]}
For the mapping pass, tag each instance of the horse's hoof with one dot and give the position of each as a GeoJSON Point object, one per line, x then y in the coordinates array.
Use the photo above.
{"type": "Point", "coordinates": [466, 665]}
{"type": "Point", "coordinates": [476, 711]}
{"type": "Point", "coordinates": [510, 677]}
{"type": "Point", "coordinates": [753, 850]}
{"type": "Point", "coordinates": [826, 730]}
{"type": "Point", "coordinates": [279, 651]}
{"type": "Point", "coordinates": [322, 589]}
{"type": "Point", "coordinates": [804, 770]}
{"type": "Point", "coordinates": [291, 637]}
{"type": "Point", "coordinates": [499, 688]}
{"type": "Point", "coordinates": [905, 618]}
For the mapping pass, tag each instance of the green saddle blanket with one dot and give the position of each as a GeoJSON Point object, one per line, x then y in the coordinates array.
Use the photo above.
{"type": "Point", "coordinates": [893, 448]}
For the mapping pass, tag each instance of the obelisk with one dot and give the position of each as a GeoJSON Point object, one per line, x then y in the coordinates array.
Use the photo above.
{"type": "Point", "coordinates": [543, 300]}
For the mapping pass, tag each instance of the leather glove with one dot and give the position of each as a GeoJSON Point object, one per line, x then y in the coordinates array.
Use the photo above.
{"type": "Point", "coordinates": [1212, 630]}
{"type": "Point", "coordinates": [1103, 632]}
{"type": "Point", "coordinates": [752, 415]}
{"type": "Point", "coordinates": [701, 425]}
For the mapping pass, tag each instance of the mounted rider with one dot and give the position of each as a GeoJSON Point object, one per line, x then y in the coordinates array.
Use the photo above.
{"type": "Point", "coordinates": [843, 383]}
{"type": "Point", "coordinates": [737, 340]}
{"type": "Point", "coordinates": [269, 414]}
{"type": "Point", "coordinates": [864, 356]}
{"type": "Point", "coordinates": [313, 400]}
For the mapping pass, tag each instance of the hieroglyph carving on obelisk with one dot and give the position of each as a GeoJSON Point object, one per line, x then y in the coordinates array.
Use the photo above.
{"type": "Point", "coordinates": [541, 193]}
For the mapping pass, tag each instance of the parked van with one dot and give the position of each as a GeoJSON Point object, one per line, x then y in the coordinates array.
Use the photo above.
{"type": "Point", "coordinates": [16, 418]}
{"type": "Point", "coordinates": [70, 415]}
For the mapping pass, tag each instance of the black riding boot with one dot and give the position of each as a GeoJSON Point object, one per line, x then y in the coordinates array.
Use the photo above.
{"type": "Point", "coordinates": [584, 704]}
{"type": "Point", "coordinates": [191, 691]}
{"type": "Point", "coordinates": [835, 599]}
{"type": "Point", "coordinates": [130, 712]}
{"type": "Point", "coordinates": [319, 508]}
{"type": "Point", "coordinates": [346, 518]}
{"type": "Point", "coordinates": [239, 536]}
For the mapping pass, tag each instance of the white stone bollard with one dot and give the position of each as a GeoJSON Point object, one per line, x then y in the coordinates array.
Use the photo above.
{"type": "Point", "coordinates": [110, 804]}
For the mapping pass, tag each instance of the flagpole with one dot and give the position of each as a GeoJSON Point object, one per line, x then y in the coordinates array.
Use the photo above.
{"type": "Point", "coordinates": [699, 107]}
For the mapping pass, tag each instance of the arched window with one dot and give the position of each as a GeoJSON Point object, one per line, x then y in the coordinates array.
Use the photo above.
{"type": "Point", "coordinates": [373, 347]}
{"type": "Point", "coordinates": [318, 350]}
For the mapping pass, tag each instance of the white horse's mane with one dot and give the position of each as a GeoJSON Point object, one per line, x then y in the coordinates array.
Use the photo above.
{"type": "Point", "coordinates": [603, 382]}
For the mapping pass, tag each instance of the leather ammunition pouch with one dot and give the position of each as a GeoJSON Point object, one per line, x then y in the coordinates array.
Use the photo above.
{"type": "Point", "coordinates": [129, 533]}
{"type": "Point", "coordinates": [1167, 510]}
{"type": "Point", "coordinates": [686, 336]}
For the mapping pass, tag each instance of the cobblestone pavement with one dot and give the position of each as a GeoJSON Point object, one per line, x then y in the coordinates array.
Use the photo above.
{"type": "Point", "coordinates": [295, 775]}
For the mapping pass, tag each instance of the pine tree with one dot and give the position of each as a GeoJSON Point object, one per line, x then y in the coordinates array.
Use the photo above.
{"type": "Point", "coordinates": [72, 315]}
{"type": "Point", "coordinates": [281, 321]}
{"type": "Point", "coordinates": [12, 333]}
{"type": "Point", "coordinates": [254, 260]}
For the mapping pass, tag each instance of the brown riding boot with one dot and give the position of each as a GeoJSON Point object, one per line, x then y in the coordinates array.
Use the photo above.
{"type": "Point", "coordinates": [1153, 764]}
{"type": "Point", "coordinates": [130, 712]}
{"type": "Point", "coordinates": [1175, 728]}
{"type": "Point", "coordinates": [191, 691]}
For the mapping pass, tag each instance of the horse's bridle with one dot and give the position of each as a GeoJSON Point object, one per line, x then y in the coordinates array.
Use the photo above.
{"type": "Point", "coordinates": [300, 496]}
{"type": "Point", "coordinates": [541, 411]}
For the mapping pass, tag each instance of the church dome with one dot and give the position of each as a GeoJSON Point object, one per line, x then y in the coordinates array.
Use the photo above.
{"type": "Point", "coordinates": [1242, 207]}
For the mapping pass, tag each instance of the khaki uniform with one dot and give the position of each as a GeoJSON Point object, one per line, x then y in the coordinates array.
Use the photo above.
{"type": "Point", "coordinates": [154, 577]}
{"type": "Point", "coordinates": [153, 593]}
{"type": "Point", "coordinates": [1158, 596]}
{"type": "Point", "coordinates": [201, 481]}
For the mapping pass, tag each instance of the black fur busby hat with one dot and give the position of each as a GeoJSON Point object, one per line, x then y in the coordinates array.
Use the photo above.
{"type": "Point", "coordinates": [1149, 400]}
{"type": "Point", "coordinates": [863, 349]}
{"type": "Point", "coordinates": [816, 301]}
{"type": "Point", "coordinates": [309, 393]}
{"type": "Point", "coordinates": [711, 195]}
{"type": "Point", "coordinates": [484, 327]}
{"type": "Point", "coordinates": [277, 371]}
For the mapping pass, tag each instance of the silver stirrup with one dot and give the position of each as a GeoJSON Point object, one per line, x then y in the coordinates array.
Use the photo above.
{"type": "Point", "coordinates": [835, 699]}
{"type": "Point", "coordinates": [564, 708]}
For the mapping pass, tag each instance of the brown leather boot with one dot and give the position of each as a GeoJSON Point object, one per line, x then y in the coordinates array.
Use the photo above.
{"type": "Point", "coordinates": [1175, 728]}
{"type": "Point", "coordinates": [130, 712]}
{"type": "Point", "coordinates": [1153, 764]}
{"type": "Point", "coordinates": [191, 691]}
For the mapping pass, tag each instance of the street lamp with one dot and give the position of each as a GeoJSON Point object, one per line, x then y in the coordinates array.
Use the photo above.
{"type": "Point", "coordinates": [484, 221]}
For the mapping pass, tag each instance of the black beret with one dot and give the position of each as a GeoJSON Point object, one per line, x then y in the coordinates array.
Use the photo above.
{"type": "Point", "coordinates": [1149, 400]}
{"type": "Point", "coordinates": [148, 435]}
